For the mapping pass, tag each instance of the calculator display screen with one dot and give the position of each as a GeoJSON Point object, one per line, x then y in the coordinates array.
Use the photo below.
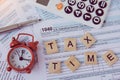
{"type": "Point", "coordinates": [43, 2]}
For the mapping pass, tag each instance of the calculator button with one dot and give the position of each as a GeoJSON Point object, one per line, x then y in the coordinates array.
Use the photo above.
{"type": "Point", "coordinates": [96, 20]}
{"type": "Point", "coordinates": [99, 12]}
{"type": "Point", "coordinates": [77, 13]}
{"type": "Point", "coordinates": [62, 0]}
{"type": "Point", "coordinates": [87, 16]}
{"type": "Point", "coordinates": [102, 4]}
{"type": "Point", "coordinates": [71, 2]}
{"type": "Point", "coordinates": [83, 0]}
{"type": "Point", "coordinates": [90, 8]}
{"type": "Point", "coordinates": [81, 5]}
{"type": "Point", "coordinates": [59, 6]}
{"type": "Point", "coordinates": [68, 9]}
{"type": "Point", "coordinates": [93, 2]}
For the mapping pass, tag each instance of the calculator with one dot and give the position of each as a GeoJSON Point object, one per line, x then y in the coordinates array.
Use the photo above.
{"type": "Point", "coordinates": [88, 12]}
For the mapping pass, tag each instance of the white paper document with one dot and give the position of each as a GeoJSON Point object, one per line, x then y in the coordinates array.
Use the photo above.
{"type": "Point", "coordinates": [107, 39]}
{"type": "Point", "coordinates": [58, 29]}
{"type": "Point", "coordinates": [11, 12]}
{"type": "Point", "coordinates": [15, 11]}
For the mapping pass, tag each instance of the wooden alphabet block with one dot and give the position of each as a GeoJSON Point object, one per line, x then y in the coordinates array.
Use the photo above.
{"type": "Point", "coordinates": [70, 44]}
{"type": "Point", "coordinates": [88, 40]}
{"type": "Point", "coordinates": [51, 47]}
{"type": "Point", "coordinates": [72, 63]}
{"type": "Point", "coordinates": [54, 67]}
{"type": "Point", "coordinates": [90, 58]}
{"type": "Point", "coordinates": [110, 58]}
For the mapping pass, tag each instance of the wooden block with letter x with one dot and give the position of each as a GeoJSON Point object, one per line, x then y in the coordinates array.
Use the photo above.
{"type": "Point", "coordinates": [54, 67]}
{"type": "Point", "coordinates": [90, 58]}
{"type": "Point", "coordinates": [72, 63]}
{"type": "Point", "coordinates": [70, 44]}
{"type": "Point", "coordinates": [51, 47]}
{"type": "Point", "coordinates": [88, 40]}
{"type": "Point", "coordinates": [110, 58]}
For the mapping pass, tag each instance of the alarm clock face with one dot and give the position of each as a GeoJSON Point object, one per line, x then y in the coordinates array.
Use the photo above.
{"type": "Point", "coordinates": [20, 58]}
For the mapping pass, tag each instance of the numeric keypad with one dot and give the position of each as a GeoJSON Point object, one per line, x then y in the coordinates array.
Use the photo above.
{"type": "Point", "coordinates": [88, 10]}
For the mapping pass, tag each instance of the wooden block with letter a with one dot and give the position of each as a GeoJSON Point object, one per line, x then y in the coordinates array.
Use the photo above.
{"type": "Point", "coordinates": [70, 44]}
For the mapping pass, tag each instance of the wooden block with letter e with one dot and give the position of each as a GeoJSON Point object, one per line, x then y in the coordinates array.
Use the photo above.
{"type": "Point", "coordinates": [110, 58]}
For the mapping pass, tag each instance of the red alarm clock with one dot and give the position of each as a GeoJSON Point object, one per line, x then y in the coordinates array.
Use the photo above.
{"type": "Point", "coordinates": [21, 57]}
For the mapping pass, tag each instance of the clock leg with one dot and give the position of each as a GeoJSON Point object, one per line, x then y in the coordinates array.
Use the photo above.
{"type": "Point", "coordinates": [9, 68]}
{"type": "Point", "coordinates": [28, 70]}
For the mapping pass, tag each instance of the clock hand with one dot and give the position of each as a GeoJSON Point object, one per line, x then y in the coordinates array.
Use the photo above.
{"type": "Point", "coordinates": [26, 59]}
{"type": "Point", "coordinates": [23, 51]}
{"type": "Point", "coordinates": [21, 55]}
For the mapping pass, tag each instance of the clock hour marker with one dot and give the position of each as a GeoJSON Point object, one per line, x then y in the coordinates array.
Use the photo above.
{"type": "Point", "coordinates": [26, 53]}
{"type": "Point", "coordinates": [29, 61]}
{"type": "Point", "coordinates": [26, 64]}
{"type": "Point", "coordinates": [14, 64]}
{"type": "Point", "coordinates": [29, 56]}
{"type": "Point", "coordinates": [13, 61]}
{"type": "Point", "coordinates": [12, 57]}
{"type": "Point", "coordinates": [23, 51]}
{"type": "Point", "coordinates": [18, 51]}
{"type": "Point", "coordinates": [18, 66]}
{"type": "Point", "coordinates": [15, 53]}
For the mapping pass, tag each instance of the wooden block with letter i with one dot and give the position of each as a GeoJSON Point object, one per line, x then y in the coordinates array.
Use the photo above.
{"type": "Point", "coordinates": [110, 58]}
{"type": "Point", "coordinates": [54, 67]}
{"type": "Point", "coordinates": [51, 47]}
{"type": "Point", "coordinates": [72, 63]}
{"type": "Point", "coordinates": [70, 44]}
{"type": "Point", "coordinates": [90, 58]}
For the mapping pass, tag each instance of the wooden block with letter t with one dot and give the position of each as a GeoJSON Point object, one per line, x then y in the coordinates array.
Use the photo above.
{"type": "Point", "coordinates": [90, 58]}
{"type": "Point", "coordinates": [51, 47]}
{"type": "Point", "coordinates": [54, 67]}
{"type": "Point", "coordinates": [70, 44]}
{"type": "Point", "coordinates": [110, 58]}
{"type": "Point", "coordinates": [72, 63]}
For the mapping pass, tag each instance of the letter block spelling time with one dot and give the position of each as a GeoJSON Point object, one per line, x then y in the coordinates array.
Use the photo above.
{"type": "Point", "coordinates": [72, 63]}
{"type": "Point", "coordinates": [54, 67]}
{"type": "Point", "coordinates": [90, 58]}
{"type": "Point", "coordinates": [110, 58]}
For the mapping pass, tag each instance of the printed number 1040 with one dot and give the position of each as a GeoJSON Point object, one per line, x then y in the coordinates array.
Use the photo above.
{"type": "Point", "coordinates": [47, 29]}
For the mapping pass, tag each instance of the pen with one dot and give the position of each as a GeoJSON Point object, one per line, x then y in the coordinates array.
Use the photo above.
{"type": "Point", "coordinates": [17, 25]}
